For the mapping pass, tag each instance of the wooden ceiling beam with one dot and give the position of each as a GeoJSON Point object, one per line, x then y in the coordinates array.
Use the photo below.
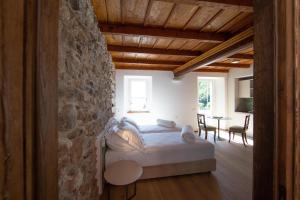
{"type": "Point", "coordinates": [229, 65]}
{"type": "Point", "coordinates": [242, 56]}
{"type": "Point", "coordinates": [144, 68]}
{"type": "Point", "coordinates": [175, 63]}
{"type": "Point", "coordinates": [143, 61]}
{"type": "Point", "coordinates": [241, 5]}
{"type": "Point", "coordinates": [143, 50]}
{"type": "Point", "coordinates": [162, 32]}
{"type": "Point", "coordinates": [169, 69]}
{"type": "Point", "coordinates": [213, 70]}
{"type": "Point", "coordinates": [230, 47]}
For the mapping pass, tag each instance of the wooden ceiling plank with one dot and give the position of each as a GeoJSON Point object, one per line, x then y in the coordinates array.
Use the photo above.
{"type": "Point", "coordinates": [201, 17]}
{"type": "Point", "coordinates": [148, 9]}
{"type": "Point", "coordinates": [192, 17]}
{"type": "Point", "coordinates": [147, 42]}
{"type": "Point", "coordinates": [190, 44]}
{"type": "Point", "coordinates": [230, 47]}
{"type": "Point", "coordinates": [158, 13]}
{"type": "Point", "coordinates": [113, 39]}
{"type": "Point", "coordinates": [127, 49]}
{"type": "Point", "coordinates": [100, 10]}
{"type": "Point", "coordinates": [246, 22]}
{"type": "Point", "coordinates": [242, 56]}
{"type": "Point", "coordinates": [135, 11]}
{"type": "Point", "coordinates": [114, 11]}
{"type": "Point", "coordinates": [181, 14]}
{"type": "Point", "coordinates": [222, 18]}
{"type": "Point", "coordinates": [241, 5]}
{"type": "Point", "coordinates": [161, 32]}
{"type": "Point", "coordinates": [131, 40]}
{"type": "Point", "coordinates": [162, 43]}
{"type": "Point", "coordinates": [237, 19]}
{"type": "Point", "coordinates": [177, 44]}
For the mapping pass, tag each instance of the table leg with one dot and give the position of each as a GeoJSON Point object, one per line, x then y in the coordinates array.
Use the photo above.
{"type": "Point", "coordinates": [134, 193]}
{"type": "Point", "coordinates": [218, 128]}
{"type": "Point", "coordinates": [126, 197]}
{"type": "Point", "coordinates": [108, 195]}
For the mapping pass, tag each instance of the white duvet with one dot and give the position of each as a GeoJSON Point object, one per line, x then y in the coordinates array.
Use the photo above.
{"type": "Point", "coordinates": [164, 148]}
{"type": "Point", "coordinates": [156, 129]}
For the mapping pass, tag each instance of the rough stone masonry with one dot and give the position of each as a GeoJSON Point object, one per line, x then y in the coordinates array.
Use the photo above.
{"type": "Point", "coordinates": [86, 92]}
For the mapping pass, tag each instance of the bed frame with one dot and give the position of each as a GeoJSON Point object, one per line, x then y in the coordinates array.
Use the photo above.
{"type": "Point", "coordinates": [176, 169]}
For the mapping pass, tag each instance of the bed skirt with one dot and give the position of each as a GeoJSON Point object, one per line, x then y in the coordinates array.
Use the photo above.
{"type": "Point", "coordinates": [176, 169]}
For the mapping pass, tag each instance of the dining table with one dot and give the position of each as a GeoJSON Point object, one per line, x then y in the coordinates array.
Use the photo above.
{"type": "Point", "coordinates": [219, 118]}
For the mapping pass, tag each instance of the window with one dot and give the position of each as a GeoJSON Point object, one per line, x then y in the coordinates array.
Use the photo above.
{"type": "Point", "coordinates": [138, 93]}
{"type": "Point", "coordinates": [205, 95]}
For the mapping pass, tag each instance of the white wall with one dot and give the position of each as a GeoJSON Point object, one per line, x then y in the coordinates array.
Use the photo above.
{"type": "Point", "coordinates": [173, 100]}
{"type": "Point", "coordinates": [237, 118]}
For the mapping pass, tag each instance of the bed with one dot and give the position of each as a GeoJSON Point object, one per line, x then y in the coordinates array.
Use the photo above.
{"type": "Point", "coordinates": [167, 154]}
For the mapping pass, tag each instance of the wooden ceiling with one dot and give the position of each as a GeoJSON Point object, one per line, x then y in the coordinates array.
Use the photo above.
{"type": "Point", "coordinates": [172, 34]}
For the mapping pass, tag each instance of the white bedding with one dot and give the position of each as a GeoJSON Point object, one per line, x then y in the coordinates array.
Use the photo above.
{"type": "Point", "coordinates": [164, 148]}
{"type": "Point", "coordinates": [156, 129]}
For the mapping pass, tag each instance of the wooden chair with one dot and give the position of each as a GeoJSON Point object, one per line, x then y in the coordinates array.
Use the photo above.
{"type": "Point", "coordinates": [240, 129]}
{"type": "Point", "coordinates": [202, 126]}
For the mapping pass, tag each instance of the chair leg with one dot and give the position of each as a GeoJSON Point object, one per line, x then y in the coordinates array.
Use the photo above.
{"type": "Point", "coordinates": [206, 134]}
{"type": "Point", "coordinates": [233, 135]}
{"type": "Point", "coordinates": [215, 134]}
{"type": "Point", "coordinates": [246, 138]}
{"type": "Point", "coordinates": [229, 136]}
{"type": "Point", "coordinates": [199, 131]}
{"type": "Point", "coordinates": [243, 138]}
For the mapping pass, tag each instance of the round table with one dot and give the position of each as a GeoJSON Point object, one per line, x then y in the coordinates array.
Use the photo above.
{"type": "Point", "coordinates": [124, 172]}
{"type": "Point", "coordinates": [219, 118]}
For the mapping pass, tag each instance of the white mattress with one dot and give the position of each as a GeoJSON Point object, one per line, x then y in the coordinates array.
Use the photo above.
{"type": "Point", "coordinates": [156, 129]}
{"type": "Point", "coordinates": [164, 148]}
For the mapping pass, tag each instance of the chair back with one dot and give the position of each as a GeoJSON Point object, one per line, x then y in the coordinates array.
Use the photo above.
{"type": "Point", "coordinates": [201, 120]}
{"type": "Point", "coordinates": [247, 120]}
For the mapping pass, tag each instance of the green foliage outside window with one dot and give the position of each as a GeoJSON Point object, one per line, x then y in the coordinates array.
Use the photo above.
{"type": "Point", "coordinates": [204, 94]}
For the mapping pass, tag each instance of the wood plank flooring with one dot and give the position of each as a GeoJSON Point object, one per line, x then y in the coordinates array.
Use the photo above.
{"type": "Point", "coordinates": [232, 180]}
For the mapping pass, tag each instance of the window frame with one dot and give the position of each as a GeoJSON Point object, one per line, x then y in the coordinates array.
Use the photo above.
{"type": "Point", "coordinates": [127, 90]}
{"type": "Point", "coordinates": [211, 83]}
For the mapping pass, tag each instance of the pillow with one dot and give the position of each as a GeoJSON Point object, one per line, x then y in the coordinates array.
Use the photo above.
{"type": "Point", "coordinates": [110, 124]}
{"type": "Point", "coordinates": [115, 142]}
{"type": "Point", "coordinates": [130, 133]}
{"type": "Point", "coordinates": [166, 123]}
{"type": "Point", "coordinates": [187, 133]}
{"type": "Point", "coordinates": [130, 121]}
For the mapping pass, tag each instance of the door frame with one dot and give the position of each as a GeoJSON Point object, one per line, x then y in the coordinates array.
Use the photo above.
{"type": "Point", "coordinates": [28, 112]}
{"type": "Point", "coordinates": [276, 160]}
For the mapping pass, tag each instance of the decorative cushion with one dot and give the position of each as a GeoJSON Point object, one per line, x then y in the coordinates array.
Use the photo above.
{"type": "Point", "coordinates": [115, 142]}
{"type": "Point", "coordinates": [130, 121]}
{"type": "Point", "coordinates": [130, 133]}
{"type": "Point", "coordinates": [166, 123]}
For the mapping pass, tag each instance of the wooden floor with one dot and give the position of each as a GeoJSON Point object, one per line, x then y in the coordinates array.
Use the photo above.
{"type": "Point", "coordinates": [232, 180]}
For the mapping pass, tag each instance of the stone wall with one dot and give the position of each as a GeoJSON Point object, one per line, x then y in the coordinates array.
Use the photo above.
{"type": "Point", "coordinates": [86, 89]}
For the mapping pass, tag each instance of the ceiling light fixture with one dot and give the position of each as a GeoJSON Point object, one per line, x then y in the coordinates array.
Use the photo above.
{"type": "Point", "coordinates": [235, 61]}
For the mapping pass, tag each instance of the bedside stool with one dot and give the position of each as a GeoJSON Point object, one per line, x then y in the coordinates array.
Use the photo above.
{"type": "Point", "coordinates": [124, 172]}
